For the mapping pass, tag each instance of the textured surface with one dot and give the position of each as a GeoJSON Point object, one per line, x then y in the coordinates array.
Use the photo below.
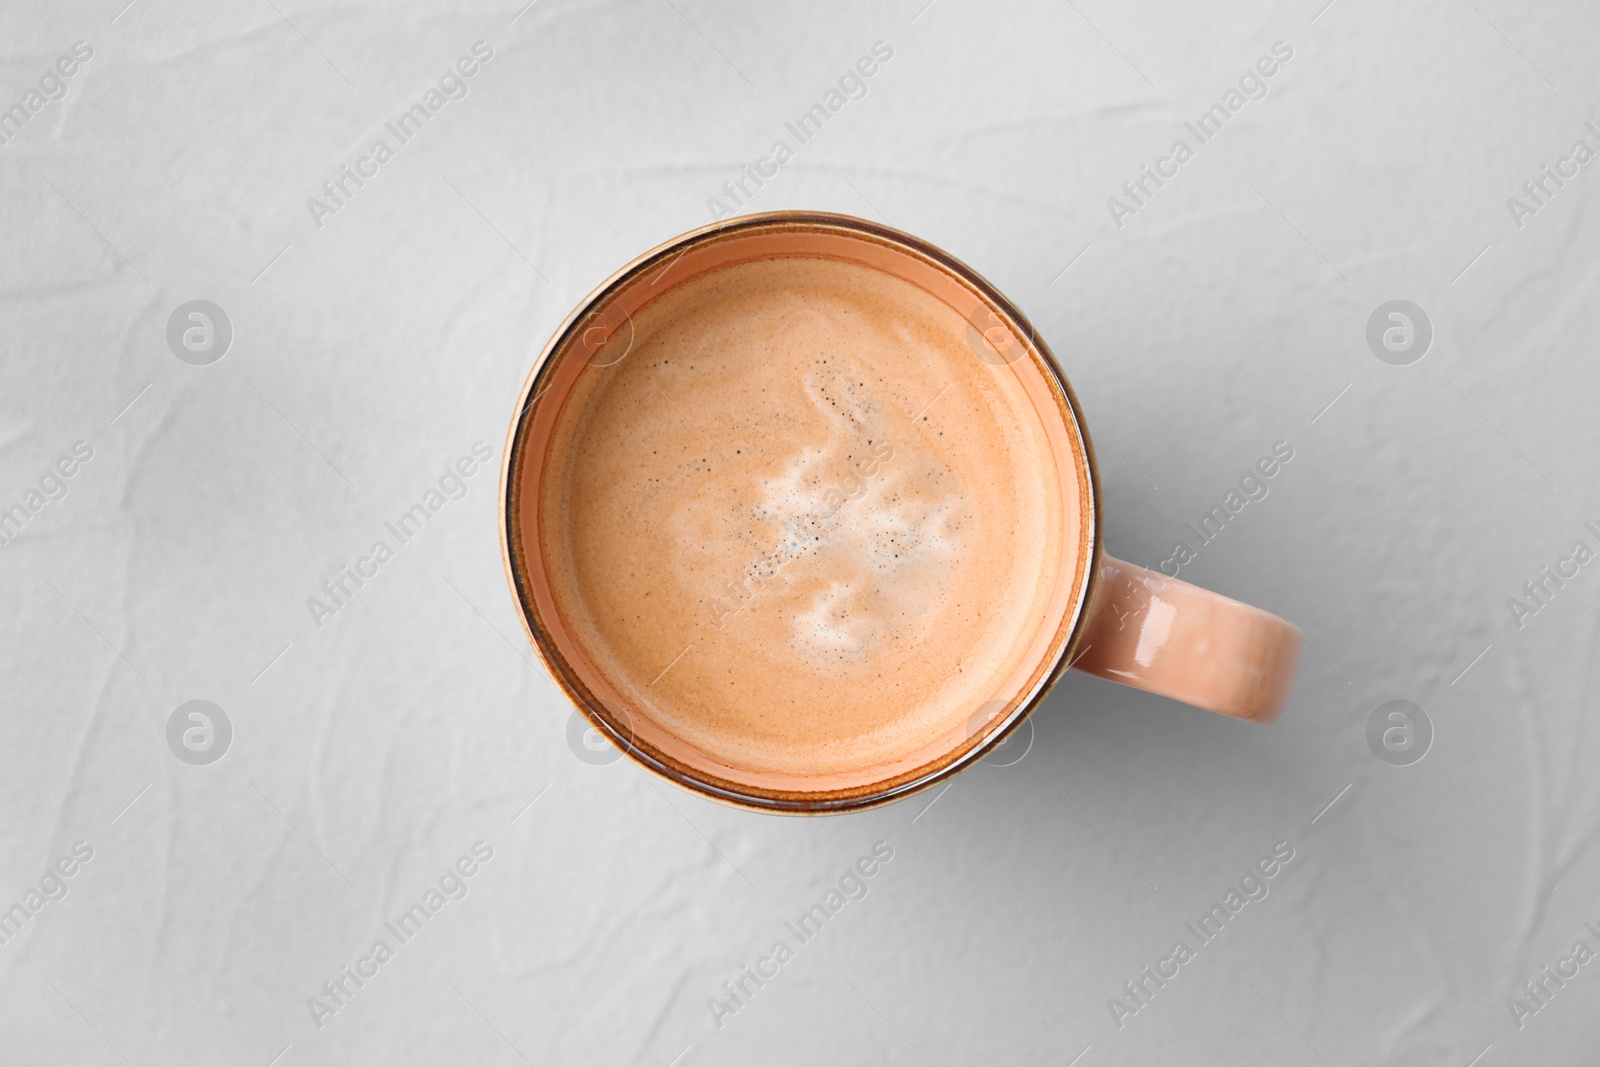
{"type": "Point", "coordinates": [372, 746]}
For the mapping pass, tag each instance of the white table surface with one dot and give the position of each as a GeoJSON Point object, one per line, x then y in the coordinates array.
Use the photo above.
{"type": "Point", "coordinates": [368, 353]}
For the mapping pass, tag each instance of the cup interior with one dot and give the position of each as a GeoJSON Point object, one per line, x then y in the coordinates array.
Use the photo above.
{"type": "Point", "coordinates": [600, 334]}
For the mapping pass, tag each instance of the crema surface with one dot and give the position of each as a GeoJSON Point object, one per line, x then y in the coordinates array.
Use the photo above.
{"type": "Point", "coordinates": [801, 524]}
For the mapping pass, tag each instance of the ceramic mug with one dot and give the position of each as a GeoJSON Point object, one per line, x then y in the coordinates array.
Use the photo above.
{"type": "Point", "coordinates": [1109, 618]}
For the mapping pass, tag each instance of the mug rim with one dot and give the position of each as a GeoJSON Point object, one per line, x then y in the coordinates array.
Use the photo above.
{"type": "Point", "coordinates": [823, 802]}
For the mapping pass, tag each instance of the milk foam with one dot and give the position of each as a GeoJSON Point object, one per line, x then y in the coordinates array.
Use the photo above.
{"type": "Point", "coordinates": [801, 525]}
{"type": "Point", "coordinates": [838, 509]}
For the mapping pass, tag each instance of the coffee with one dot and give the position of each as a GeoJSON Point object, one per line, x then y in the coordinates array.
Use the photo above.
{"type": "Point", "coordinates": [800, 514]}
{"type": "Point", "coordinates": [800, 519]}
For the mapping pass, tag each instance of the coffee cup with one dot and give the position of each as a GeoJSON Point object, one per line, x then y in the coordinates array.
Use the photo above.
{"type": "Point", "coordinates": [802, 514]}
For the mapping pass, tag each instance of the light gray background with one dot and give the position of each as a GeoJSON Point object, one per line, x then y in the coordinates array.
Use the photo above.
{"type": "Point", "coordinates": [369, 353]}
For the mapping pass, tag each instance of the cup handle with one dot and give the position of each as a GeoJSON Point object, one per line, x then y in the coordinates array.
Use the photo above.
{"type": "Point", "coordinates": [1177, 640]}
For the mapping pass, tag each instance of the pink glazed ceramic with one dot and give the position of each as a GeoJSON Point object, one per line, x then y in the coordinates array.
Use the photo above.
{"type": "Point", "coordinates": [1100, 615]}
